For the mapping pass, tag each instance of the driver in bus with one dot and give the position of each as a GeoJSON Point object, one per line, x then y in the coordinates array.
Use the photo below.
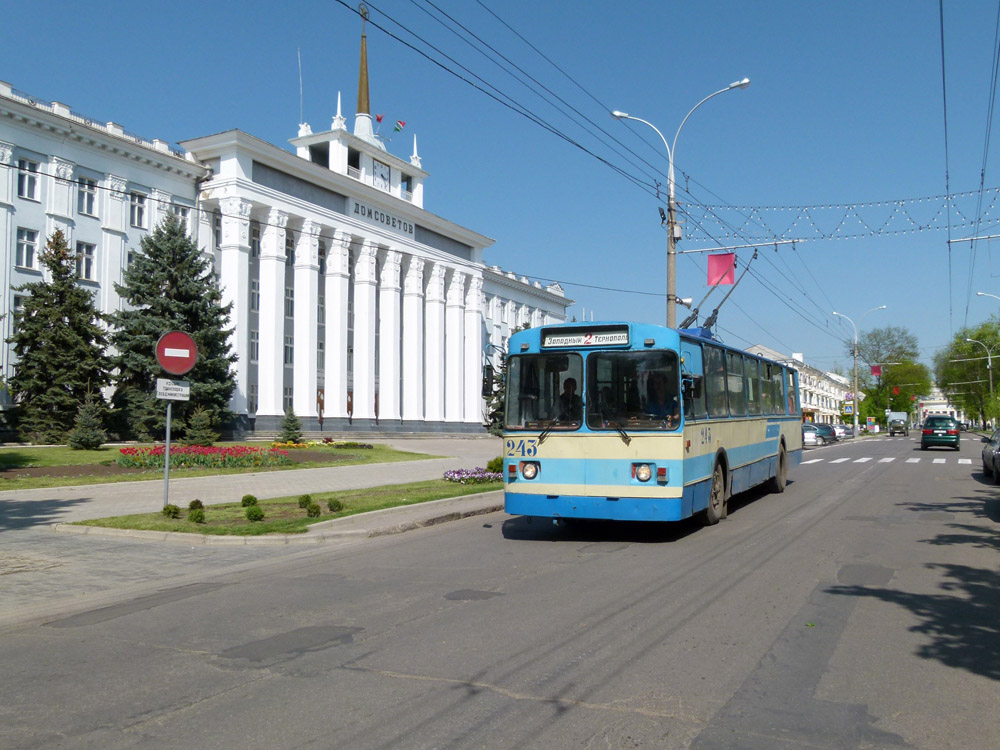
{"type": "Point", "coordinates": [662, 401]}
{"type": "Point", "coordinates": [570, 405]}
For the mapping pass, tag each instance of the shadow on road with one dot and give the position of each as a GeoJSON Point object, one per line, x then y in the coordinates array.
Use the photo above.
{"type": "Point", "coordinates": [23, 514]}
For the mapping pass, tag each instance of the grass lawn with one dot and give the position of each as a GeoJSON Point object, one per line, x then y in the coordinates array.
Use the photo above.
{"type": "Point", "coordinates": [60, 466]}
{"type": "Point", "coordinates": [284, 516]}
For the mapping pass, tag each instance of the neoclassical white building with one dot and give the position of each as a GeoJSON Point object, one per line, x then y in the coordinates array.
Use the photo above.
{"type": "Point", "coordinates": [821, 394]}
{"type": "Point", "coordinates": [353, 305]}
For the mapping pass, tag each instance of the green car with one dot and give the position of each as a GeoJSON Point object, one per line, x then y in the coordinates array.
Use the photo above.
{"type": "Point", "coordinates": [939, 431]}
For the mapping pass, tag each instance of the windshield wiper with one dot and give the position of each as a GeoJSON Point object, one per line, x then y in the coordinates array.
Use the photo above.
{"type": "Point", "coordinates": [548, 428]}
{"type": "Point", "coordinates": [606, 415]}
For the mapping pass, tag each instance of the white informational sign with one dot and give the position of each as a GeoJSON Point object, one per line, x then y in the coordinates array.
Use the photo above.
{"type": "Point", "coordinates": [586, 338]}
{"type": "Point", "coordinates": [173, 390]}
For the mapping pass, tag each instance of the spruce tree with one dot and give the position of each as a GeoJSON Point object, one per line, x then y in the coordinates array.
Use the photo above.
{"type": "Point", "coordinates": [291, 428]}
{"type": "Point", "coordinates": [60, 346]}
{"type": "Point", "coordinates": [200, 430]}
{"type": "Point", "coordinates": [88, 431]}
{"type": "Point", "coordinates": [169, 286]}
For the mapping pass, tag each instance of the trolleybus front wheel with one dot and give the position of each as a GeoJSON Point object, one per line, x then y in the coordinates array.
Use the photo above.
{"type": "Point", "coordinates": [780, 478]}
{"type": "Point", "coordinates": [717, 500]}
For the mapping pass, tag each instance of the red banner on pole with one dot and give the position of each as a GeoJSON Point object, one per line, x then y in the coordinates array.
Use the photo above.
{"type": "Point", "coordinates": [722, 269]}
{"type": "Point", "coordinates": [877, 371]}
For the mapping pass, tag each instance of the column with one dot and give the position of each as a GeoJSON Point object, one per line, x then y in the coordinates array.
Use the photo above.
{"type": "Point", "coordinates": [364, 332]}
{"type": "Point", "coordinates": [434, 346]}
{"type": "Point", "coordinates": [7, 177]}
{"type": "Point", "coordinates": [234, 280]}
{"type": "Point", "coordinates": [413, 340]}
{"type": "Point", "coordinates": [338, 274]}
{"type": "Point", "coordinates": [474, 411]}
{"type": "Point", "coordinates": [113, 209]}
{"type": "Point", "coordinates": [159, 208]}
{"type": "Point", "coordinates": [270, 367]}
{"type": "Point", "coordinates": [60, 203]}
{"type": "Point", "coordinates": [388, 337]}
{"type": "Point", "coordinates": [454, 339]}
{"type": "Point", "coordinates": [306, 284]}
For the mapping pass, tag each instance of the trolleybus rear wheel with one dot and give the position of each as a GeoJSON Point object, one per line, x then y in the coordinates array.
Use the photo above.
{"type": "Point", "coordinates": [716, 509]}
{"type": "Point", "coordinates": [778, 481]}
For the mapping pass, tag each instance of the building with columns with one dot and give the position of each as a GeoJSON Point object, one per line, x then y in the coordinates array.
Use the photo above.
{"type": "Point", "coordinates": [821, 394]}
{"type": "Point", "coordinates": [352, 305]}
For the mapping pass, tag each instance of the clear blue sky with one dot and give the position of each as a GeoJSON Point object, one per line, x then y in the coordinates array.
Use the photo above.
{"type": "Point", "coordinates": [845, 109]}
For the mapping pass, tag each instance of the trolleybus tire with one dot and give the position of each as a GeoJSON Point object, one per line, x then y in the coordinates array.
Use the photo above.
{"type": "Point", "coordinates": [780, 478]}
{"type": "Point", "coordinates": [717, 501]}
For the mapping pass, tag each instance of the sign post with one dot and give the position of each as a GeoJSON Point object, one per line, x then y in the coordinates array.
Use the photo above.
{"type": "Point", "coordinates": [176, 353]}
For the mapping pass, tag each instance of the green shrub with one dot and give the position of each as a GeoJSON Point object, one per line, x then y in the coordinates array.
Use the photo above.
{"type": "Point", "coordinates": [88, 429]}
{"type": "Point", "coordinates": [335, 506]}
{"type": "Point", "coordinates": [196, 504]}
{"type": "Point", "coordinates": [495, 465]}
{"type": "Point", "coordinates": [171, 511]}
{"type": "Point", "coordinates": [255, 513]}
{"type": "Point", "coordinates": [305, 501]}
{"type": "Point", "coordinates": [354, 445]}
{"type": "Point", "coordinates": [313, 510]}
{"type": "Point", "coordinates": [248, 500]}
{"type": "Point", "coordinates": [196, 515]}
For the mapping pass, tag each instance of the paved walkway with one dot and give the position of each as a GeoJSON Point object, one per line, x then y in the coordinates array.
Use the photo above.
{"type": "Point", "coordinates": [43, 574]}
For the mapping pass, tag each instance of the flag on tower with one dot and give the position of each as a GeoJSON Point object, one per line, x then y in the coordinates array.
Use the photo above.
{"type": "Point", "coordinates": [399, 126]}
{"type": "Point", "coordinates": [378, 119]}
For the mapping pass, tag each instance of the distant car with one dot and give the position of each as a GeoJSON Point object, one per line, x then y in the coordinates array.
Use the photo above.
{"type": "Point", "coordinates": [827, 432]}
{"type": "Point", "coordinates": [898, 427]}
{"type": "Point", "coordinates": [848, 430]}
{"type": "Point", "coordinates": [839, 429]}
{"type": "Point", "coordinates": [810, 435]}
{"type": "Point", "coordinates": [991, 459]}
{"type": "Point", "coordinates": [939, 430]}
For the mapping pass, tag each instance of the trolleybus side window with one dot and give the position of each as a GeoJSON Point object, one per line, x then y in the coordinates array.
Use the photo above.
{"type": "Point", "coordinates": [767, 389]}
{"type": "Point", "coordinates": [777, 378]}
{"type": "Point", "coordinates": [715, 381]}
{"type": "Point", "coordinates": [793, 406]}
{"type": "Point", "coordinates": [753, 385]}
{"type": "Point", "coordinates": [693, 390]}
{"type": "Point", "coordinates": [737, 391]}
{"type": "Point", "coordinates": [536, 388]}
{"type": "Point", "coordinates": [633, 390]}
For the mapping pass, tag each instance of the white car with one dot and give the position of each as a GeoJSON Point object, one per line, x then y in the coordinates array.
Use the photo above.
{"type": "Point", "coordinates": [839, 429]}
{"type": "Point", "coordinates": [810, 435]}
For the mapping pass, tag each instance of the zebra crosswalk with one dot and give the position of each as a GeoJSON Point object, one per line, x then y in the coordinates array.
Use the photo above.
{"type": "Point", "coordinates": [884, 460]}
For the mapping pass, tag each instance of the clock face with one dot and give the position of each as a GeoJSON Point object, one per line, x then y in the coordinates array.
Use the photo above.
{"type": "Point", "coordinates": [381, 174]}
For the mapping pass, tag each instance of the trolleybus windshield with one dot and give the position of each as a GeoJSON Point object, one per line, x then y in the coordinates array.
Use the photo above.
{"type": "Point", "coordinates": [544, 391]}
{"type": "Point", "coordinates": [634, 390]}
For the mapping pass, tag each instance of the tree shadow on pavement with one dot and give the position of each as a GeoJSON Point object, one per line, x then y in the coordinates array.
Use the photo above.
{"type": "Point", "coordinates": [23, 514]}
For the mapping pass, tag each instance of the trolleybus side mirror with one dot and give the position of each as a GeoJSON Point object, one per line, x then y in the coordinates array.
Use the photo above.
{"type": "Point", "coordinates": [692, 385]}
{"type": "Point", "coordinates": [487, 381]}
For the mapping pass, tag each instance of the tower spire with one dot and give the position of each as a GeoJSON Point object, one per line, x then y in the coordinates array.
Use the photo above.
{"type": "Point", "coordinates": [363, 106]}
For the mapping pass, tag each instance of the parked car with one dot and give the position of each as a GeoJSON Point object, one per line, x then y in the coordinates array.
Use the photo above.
{"type": "Point", "coordinates": [898, 427]}
{"type": "Point", "coordinates": [810, 435]}
{"type": "Point", "coordinates": [839, 429]}
{"type": "Point", "coordinates": [939, 430]}
{"type": "Point", "coordinates": [849, 430]}
{"type": "Point", "coordinates": [827, 432]}
{"type": "Point", "coordinates": [991, 461]}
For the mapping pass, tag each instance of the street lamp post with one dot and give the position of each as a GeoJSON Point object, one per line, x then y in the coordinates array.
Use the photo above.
{"type": "Point", "coordinates": [989, 360]}
{"type": "Point", "coordinates": [986, 294]}
{"type": "Point", "coordinates": [672, 226]}
{"type": "Point", "coordinates": [857, 395]}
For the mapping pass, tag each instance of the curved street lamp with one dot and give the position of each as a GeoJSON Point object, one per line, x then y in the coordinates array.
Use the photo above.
{"type": "Point", "coordinates": [857, 396]}
{"type": "Point", "coordinates": [989, 359]}
{"type": "Point", "coordinates": [985, 294]}
{"type": "Point", "coordinates": [672, 225]}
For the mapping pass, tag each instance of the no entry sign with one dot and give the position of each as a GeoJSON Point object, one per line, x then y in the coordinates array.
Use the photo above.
{"type": "Point", "coordinates": [176, 352]}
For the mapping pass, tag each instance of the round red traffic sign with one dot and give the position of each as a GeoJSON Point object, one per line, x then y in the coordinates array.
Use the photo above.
{"type": "Point", "coordinates": [176, 352]}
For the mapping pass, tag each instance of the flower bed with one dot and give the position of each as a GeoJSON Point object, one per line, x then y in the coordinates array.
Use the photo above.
{"type": "Point", "coordinates": [478, 475]}
{"type": "Point", "coordinates": [202, 456]}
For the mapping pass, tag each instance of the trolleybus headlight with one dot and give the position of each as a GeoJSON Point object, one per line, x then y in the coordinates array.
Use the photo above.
{"type": "Point", "coordinates": [529, 470]}
{"type": "Point", "coordinates": [643, 472]}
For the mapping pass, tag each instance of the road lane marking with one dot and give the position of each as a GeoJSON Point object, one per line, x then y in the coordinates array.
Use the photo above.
{"type": "Point", "coordinates": [886, 460]}
{"type": "Point", "coordinates": [913, 460]}
{"type": "Point", "coordinates": [811, 461]}
{"type": "Point", "coordinates": [965, 460]}
{"type": "Point", "coordinates": [839, 460]}
{"type": "Point", "coordinates": [939, 460]}
{"type": "Point", "coordinates": [862, 460]}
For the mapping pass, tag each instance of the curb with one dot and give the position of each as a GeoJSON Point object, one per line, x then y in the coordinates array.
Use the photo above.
{"type": "Point", "coordinates": [487, 504]}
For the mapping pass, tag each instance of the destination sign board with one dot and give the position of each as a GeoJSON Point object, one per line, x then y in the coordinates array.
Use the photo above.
{"type": "Point", "coordinates": [584, 338]}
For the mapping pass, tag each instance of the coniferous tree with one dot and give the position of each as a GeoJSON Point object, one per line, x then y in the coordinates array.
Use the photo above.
{"type": "Point", "coordinates": [88, 431]}
{"type": "Point", "coordinates": [291, 428]}
{"type": "Point", "coordinates": [169, 286]}
{"type": "Point", "coordinates": [200, 430]}
{"type": "Point", "coordinates": [59, 342]}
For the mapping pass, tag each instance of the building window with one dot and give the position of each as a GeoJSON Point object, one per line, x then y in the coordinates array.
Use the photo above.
{"type": "Point", "coordinates": [254, 239]}
{"type": "Point", "coordinates": [27, 179]}
{"type": "Point", "coordinates": [289, 302]}
{"type": "Point", "coordinates": [217, 228]}
{"type": "Point", "coordinates": [504, 309]}
{"type": "Point", "coordinates": [252, 399]}
{"type": "Point", "coordinates": [86, 196]}
{"type": "Point", "coordinates": [289, 350]}
{"type": "Point", "coordinates": [289, 249]}
{"type": "Point", "coordinates": [137, 210]}
{"type": "Point", "coordinates": [320, 356]}
{"type": "Point", "coordinates": [288, 397]}
{"type": "Point", "coordinates": [85, 260]}
{"type": "Point", "coordinates": [322, 258]}
{"type": "Point", "coordinates": [129, 259]}
{"type": "Point", "coordinates": [27, 248]}
{"type": "Point", "coordinates": [254, 295]}
{"type": "Point", "coordinates": [254, 345]}
{"type": "Point", "coordinates": [181, 212]}
{"type": "Point", "coordinates": [321, 311]}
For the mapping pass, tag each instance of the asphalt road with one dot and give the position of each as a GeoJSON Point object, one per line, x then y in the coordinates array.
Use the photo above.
{"type": "Point", "coordinates": [859, 609]}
